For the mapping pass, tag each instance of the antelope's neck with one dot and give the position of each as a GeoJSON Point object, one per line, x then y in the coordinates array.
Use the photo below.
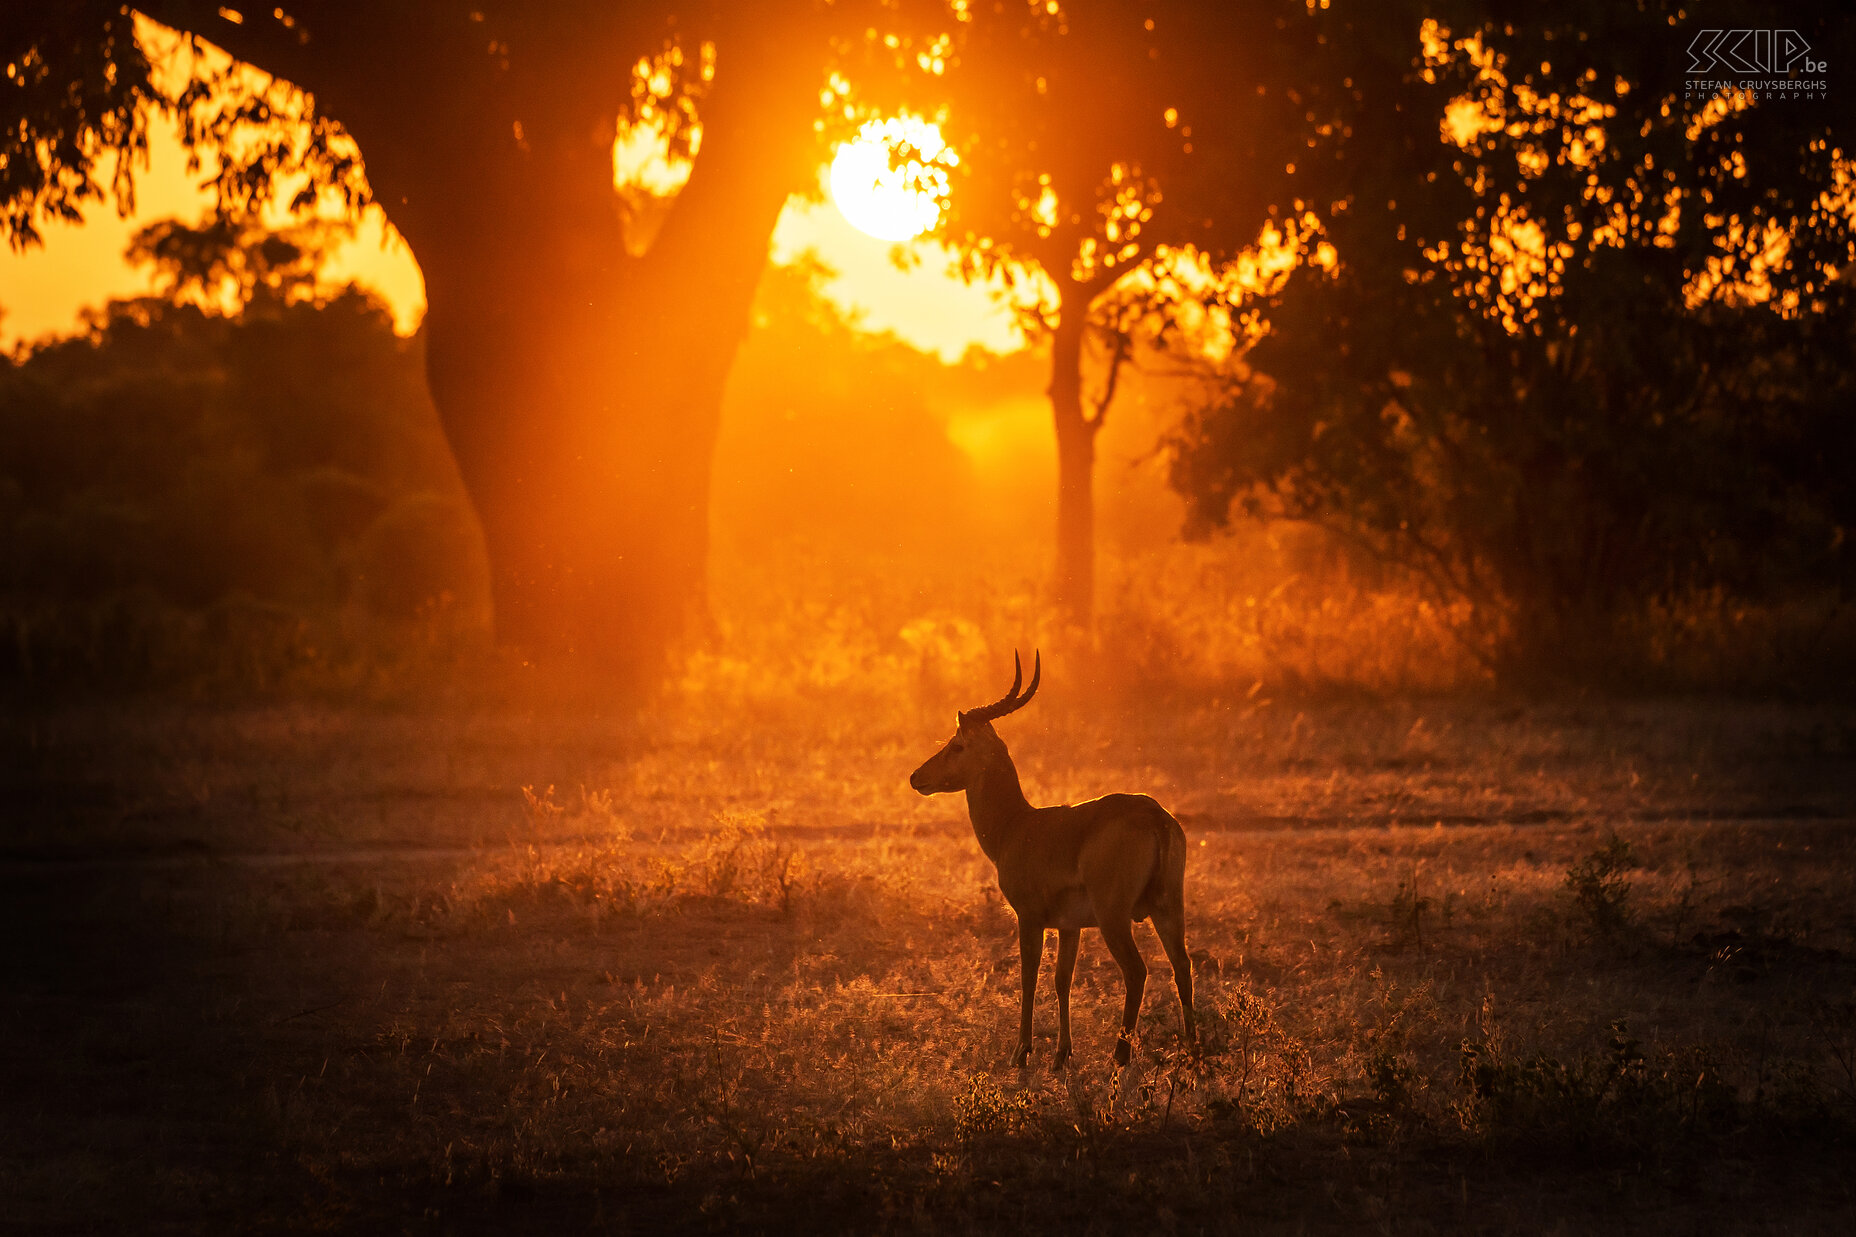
{"type": "Point", "coordinates": [997, 806]}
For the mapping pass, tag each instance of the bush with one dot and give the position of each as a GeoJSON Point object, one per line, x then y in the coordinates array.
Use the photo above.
{"type": "Point", "coordinates": [228, 501]}
{"type": "Point", "coordinates": [1600, 890]}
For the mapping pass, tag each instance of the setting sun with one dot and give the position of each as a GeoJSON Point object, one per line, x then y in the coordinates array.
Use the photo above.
{"type": "Point", "coordinates": [892, 202]}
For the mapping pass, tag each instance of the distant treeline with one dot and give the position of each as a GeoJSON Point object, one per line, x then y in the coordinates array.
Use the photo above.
{"type": "Point", "coordinates": [259, 494]}
{"type": "Point", "coordinates": [186, 494]}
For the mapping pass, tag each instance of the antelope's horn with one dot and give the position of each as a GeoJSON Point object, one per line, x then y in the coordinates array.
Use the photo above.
{"type": "Point", "coordinates": [1011, 702]}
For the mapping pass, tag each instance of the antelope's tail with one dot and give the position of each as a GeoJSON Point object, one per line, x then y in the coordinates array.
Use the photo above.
{"type": "Point", "coordinates": [1167, 885]}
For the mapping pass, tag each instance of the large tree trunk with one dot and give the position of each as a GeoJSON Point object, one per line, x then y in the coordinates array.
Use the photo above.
{"type": "Point", "coordinates": [580, 386]}
{"type": "Point", "coordinates": [1076, 466]}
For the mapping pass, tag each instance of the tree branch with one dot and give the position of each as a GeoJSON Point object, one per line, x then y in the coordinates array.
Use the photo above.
{"type": "Point", "coordinates": [1124, 342]}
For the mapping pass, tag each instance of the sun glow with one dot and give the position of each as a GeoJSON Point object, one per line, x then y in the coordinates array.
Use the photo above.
{"type": "Point", "coordinates": [890, 201]}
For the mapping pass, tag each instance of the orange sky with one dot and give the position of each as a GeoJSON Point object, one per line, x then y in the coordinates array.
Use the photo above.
{"type": "Point", "coordinates": [43, 290]}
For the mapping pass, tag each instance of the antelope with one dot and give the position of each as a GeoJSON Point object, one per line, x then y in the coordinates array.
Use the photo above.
{"type": "Point", "coordinates": [1101, 864]}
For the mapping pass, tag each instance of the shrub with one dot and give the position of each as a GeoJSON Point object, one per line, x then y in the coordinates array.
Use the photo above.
{"type": "Point", "coordinates": [1600, 890]}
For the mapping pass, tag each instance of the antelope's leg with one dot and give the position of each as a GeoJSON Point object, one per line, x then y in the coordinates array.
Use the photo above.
{"type": "Point", "coordinates": [1170, 924]}
{"type": "Point", "coordinates": [1119, 937]}
{"type": "Point", "coordinates": [1030, 953]}
{"type": "Point", "coordinates": [1067, 941]}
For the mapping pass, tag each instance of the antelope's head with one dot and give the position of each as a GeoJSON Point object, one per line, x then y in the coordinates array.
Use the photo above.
{"type": "Point", "coordinates": [975, 747]}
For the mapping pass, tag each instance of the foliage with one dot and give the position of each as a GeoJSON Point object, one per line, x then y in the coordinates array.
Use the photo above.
{"type": "Point", "coordinates": [77, 93]}
{"type": "Point", "coordinates": [1584, 346]}
{"type": "Point", "coordinates": [178, 477]}
{"type": "Point", "coordinates": [1597, 1104]}
{"type": "Point", "coordinates": [1599, 887]}
{"type": "Point", "coordinates": [1261, 1065]}
{"type": "Point", "coordinates": [984, 1110]}
{"type": "Point", "coordinates": [235, 261]}
{"type": "Point", "coordinates": [1095, 137]}
{"type": "Point", "coordinates": [82, 88]}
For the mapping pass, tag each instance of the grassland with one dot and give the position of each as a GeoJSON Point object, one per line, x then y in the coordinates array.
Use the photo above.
{"type": "Point", "coordinates": [1466, 965]}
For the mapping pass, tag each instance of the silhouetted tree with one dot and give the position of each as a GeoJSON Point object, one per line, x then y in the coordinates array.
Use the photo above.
{"type": "Point", "coordinates": [1094, 138]}
{"type": "Point", "coordinates": [1585, 341]}
{"type": "Point", "coordinates": [235, 260]}
{"type": "Point", "coordinates": [579, 384]}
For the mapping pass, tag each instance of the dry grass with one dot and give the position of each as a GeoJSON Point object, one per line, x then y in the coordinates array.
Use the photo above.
{"type": "Point", "coordinates": [711, 965]}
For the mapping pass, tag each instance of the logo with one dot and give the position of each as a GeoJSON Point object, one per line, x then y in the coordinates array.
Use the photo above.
{"type": "Point", "coordinates": [1751, 52]}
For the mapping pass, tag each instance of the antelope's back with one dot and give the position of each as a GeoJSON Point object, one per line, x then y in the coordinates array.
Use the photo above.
{"type": "Point", "coordinates": [1138, 807]}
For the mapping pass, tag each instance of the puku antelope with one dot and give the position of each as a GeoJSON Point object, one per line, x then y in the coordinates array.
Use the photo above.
{"type": "Point", "coordinates": [1101, 864]}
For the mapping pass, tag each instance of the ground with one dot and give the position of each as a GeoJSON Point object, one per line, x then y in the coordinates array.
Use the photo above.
{"type": "Point", "coordinates": [1465, 965]}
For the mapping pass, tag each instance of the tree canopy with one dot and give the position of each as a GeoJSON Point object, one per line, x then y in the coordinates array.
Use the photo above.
{"type": "Point", "coordinates": [1587, 337]}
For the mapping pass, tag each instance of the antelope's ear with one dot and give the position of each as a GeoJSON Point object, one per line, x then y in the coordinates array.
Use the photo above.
{"type": "Point", "coordinates": [960, 720]}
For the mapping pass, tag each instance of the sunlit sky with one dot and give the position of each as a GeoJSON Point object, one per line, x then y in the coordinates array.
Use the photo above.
{"type": "Point", "coordinates": [45, 289]}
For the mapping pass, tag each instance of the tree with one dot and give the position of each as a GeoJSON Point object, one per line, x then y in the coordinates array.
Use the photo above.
{"type": "Point", "coordinates": [579, 384]}
{"type": "Point", "coordinates": [1099, 145]}
{"type": "Point", "coordinates": [1585, 342]}
{"type": "Point", "coordinates": [235, 259]}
